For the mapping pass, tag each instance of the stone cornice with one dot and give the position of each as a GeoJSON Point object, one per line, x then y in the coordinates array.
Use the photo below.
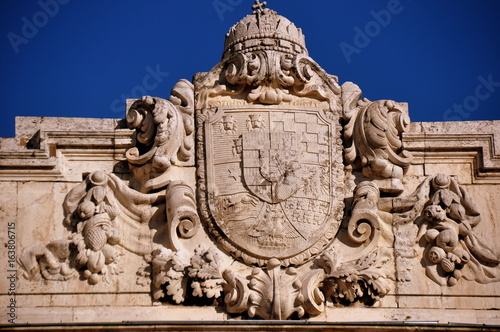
{"type": "Point", "coordinates": [43, 147]}
{"type": "Point", "coordinates": [472, 142]}
{"type": "Point", "coordinates": [33, 155]}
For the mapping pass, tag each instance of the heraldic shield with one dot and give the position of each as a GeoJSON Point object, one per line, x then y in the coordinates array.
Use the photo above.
{"type": "Point", "coordinates": [269, 180]}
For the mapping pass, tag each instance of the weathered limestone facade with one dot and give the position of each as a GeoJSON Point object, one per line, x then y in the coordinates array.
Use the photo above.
{"type": "Point", "coordinates": [264, 189]}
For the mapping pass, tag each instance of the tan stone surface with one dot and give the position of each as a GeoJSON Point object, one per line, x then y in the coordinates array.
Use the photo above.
{"type": "Point", "coordinates": [40, 201]}
{"type": "Point", "coordinates": [469, 142]}
{"type": "Point", "coordinates": [8, 210]}
{"type": "Point", "coordinates": [463, 172]}
{"type": "Point", "coordinates": [116, 314]}
{"type": "Point", "coordinates": [85, 299]}
{"type": "Point", "coordinates": [263, 189]}
{"type": "Point", "coordinates": [134, 314]}
{"type": "Point", "coordinates": [413, 315]}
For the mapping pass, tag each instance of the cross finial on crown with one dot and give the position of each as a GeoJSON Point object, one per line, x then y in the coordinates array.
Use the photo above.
{"type": "Point", "coordinates": [258, 7]}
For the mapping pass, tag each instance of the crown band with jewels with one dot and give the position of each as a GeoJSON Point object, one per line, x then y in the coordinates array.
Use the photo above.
{"type": "Point", "coordinates": [264, 30]}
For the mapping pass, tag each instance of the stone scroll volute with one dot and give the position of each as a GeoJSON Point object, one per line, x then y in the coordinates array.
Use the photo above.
{"type": "Point", "coordinates": [164, 136]}
{"type": "Point", "coordinates": [373, 138]}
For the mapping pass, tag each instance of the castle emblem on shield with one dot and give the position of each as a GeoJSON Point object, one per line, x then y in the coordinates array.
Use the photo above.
{"type": "Point", "coordinates": [269, 183]}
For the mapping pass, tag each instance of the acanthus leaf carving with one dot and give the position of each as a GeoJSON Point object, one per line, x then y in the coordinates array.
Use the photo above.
{"type": "Point", "coordinates": [269, 293]}
{"type": "Point", "coordinates": [144, 272]}
{"type": "Point", "coordinates": [364, 279]}
{"type": "Point", "coordinates": [174, 270]}
{"type": "Point", "coordinates": [206, 273]}
{"type": "Point", "coordinates": [373, 138]}
{"type": "Point", "coordinates": [236, 292]}
{"type": "Point", "coordinates": [274, 293]}
{"type": "Point", "coordinates": [164, 135]}
{"type": "Point", "coordinates": [169, 273]}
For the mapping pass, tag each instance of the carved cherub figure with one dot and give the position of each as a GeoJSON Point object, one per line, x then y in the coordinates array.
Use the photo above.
{"type": "Point", "coordinates": [445, 248]}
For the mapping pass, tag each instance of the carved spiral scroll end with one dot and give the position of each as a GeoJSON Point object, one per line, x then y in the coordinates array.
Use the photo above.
{"type": "Point", "coordinates": [362, 227]}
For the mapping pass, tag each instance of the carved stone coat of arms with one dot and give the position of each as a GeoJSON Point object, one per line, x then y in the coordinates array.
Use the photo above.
{"type": "Point", "coordinates": [270, 184]}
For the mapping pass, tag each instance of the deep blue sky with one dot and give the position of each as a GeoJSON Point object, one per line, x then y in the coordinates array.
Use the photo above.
{"type": "Point", "coordinates": [86, 55]}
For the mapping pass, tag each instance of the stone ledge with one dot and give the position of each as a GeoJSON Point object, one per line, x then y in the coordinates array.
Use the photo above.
{"type": "Point", "coordinates": [261, 326]}
{"type": "Point", "coordinates": [476, 143]}
{"type": "Point", "coordinates": [172, 318]}
{"type": "Point", "coordinates": [43, 147]}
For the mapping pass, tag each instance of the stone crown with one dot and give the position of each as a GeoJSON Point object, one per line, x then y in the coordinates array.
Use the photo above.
{"type": "Point", "coordinates": [264, 30]}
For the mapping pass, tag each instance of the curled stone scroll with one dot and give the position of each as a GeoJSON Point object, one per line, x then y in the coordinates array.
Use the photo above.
{"type": "Point", "coordinates": [373, 138]}
{"type": "Point", "coordinates": [164, 136]}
